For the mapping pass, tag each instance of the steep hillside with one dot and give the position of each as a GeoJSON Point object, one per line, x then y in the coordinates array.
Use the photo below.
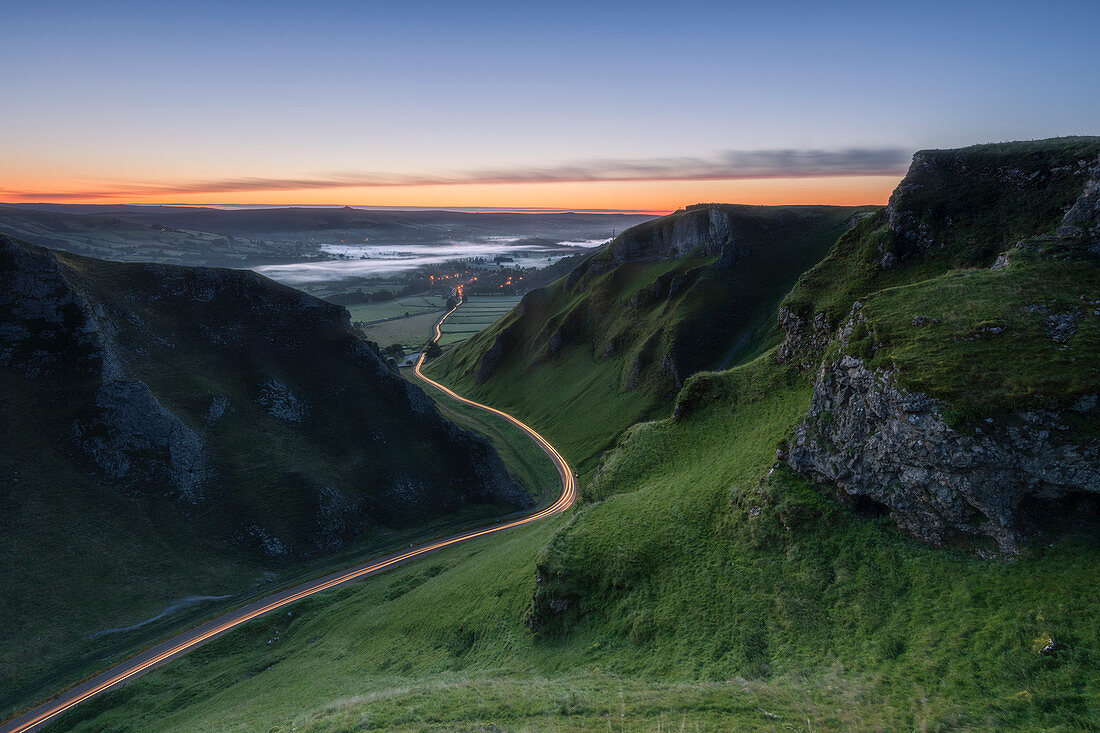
{"type": "Point", "coordinates": [959, 393]}
{"type": "Point", "coordinates": [956, 401]}
{"type": "Point", "coordinates": [238, 422]}
{"type": "Point", "coordinates": [613, 341]}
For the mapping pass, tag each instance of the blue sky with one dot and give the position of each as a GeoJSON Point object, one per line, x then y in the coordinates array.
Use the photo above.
{"type": "Point", "coordinates": [149, 97]}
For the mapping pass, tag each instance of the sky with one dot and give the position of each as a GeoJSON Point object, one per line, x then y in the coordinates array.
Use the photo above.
{"type": "Point", "coordinates": [566, 105]}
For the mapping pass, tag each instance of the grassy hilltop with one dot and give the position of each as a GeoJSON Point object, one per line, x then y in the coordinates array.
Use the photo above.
{"type": "Point", "coordinates": [703, 583]}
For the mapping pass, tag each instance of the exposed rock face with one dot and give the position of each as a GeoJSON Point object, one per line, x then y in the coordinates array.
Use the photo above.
{"type": "Point", "coordinates": [44, 324]}
{"type": "Point", "coordinates": [946, 193]}
{"type": "Point", "coordinates": [231, 395]}
{"type": "Point", "coordinates": [1085, 213]}
{"type": "Point", "coordinates": [702, 230]}
{"type": "Point", "coordinates": [281, 402]}
{"type": "Point", "coordinates": [954, 207]}
{"type": "Point", "coordinates": [139, 444]}
{"type": "Point", "coordinates": [873, 440]}
{"type": "Point", "coordinates": [805, 338]}
{"type": "Point", "coordinates": [876, 442]}
{"type": "Point", "coordinates": [903, 217]}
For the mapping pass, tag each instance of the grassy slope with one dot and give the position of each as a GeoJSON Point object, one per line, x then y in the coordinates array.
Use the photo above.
{"type": "Point", "coordinates": [989, 348]}
{"type": "Point", "coordinates": [267, 466]}
{"type": "Point", "coordinates": [117, 561]}
{"type": "Point", "coordinates": [78, 556]}
{"type": "Point", "coordinates": [766, 598]}
{"type": "Point", "coordinates": [765, 578]}
{"type": "Point", "coordinates": [581, 397]}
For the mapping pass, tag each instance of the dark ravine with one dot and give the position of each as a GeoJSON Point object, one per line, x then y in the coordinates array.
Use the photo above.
{"type": "Point", "coordinates": [252, 408]}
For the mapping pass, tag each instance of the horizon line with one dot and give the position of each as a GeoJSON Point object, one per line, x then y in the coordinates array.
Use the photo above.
{"type": "Point", "coordinates": [362, 207]}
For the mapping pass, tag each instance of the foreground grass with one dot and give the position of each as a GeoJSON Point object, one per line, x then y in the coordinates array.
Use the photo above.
{"type": "Point", "coordinates": [765, 578]}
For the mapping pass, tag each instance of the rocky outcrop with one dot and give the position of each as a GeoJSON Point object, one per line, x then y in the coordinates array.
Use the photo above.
{"type": "Point", "coordinates": [878, 443]}
{"type": "Point", "coordinates": [949, 197]}
{"type": "Point", "coordinates": [141, 446]}
{"type": "Point", "coordinates": [954, 208]}
{"type": "Point", "coordinates": [44, 326]}
{"type": "Point", "coordinates": [702, 230]}
{"type": "Point", "coordinates": [1084, 216]}
{"type": "Point", "coordinates": [280, 402]}
{"type": "Point", "coordinates": [805, 338]}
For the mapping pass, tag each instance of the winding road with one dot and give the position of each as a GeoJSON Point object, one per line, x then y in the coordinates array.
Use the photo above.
{"type": "Point", "coordinates": [188, 641]}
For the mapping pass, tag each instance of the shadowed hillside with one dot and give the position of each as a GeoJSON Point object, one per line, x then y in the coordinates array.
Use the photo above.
{"type": "Point", "coordinates": [239, 421]}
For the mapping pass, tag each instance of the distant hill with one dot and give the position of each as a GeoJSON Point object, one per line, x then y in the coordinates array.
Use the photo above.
{"type": "Point", "coordinates": [120, 236]}
{"type": "Point", "coordinates": [621, 332]}
{"type": "Point", "coordinates": [166, 429]}
{"type": "Point", "coordinates": [251, 237]}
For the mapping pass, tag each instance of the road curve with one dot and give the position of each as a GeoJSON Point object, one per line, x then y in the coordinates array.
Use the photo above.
{"type": "Point", "coordinates": [188, 641]}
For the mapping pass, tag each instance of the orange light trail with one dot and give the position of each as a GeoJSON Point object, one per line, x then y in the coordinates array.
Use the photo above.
{"type": "Point", "coordinates": [190, 640]}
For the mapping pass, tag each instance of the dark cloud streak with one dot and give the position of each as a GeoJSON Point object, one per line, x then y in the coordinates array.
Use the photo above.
{"type": "Point", "coordinates": [727, 165]}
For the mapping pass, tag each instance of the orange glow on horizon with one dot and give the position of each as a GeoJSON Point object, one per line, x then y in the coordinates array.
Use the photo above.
{"type": "Point", "coordinates": [656, 197]}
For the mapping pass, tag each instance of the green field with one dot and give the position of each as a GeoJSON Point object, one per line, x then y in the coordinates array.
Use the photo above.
{"type": "Point", "coordinates": [477, 313]}
{"type": "Point", "coordinates": [396, 308]}
{"type": "Point", "coordinates": [412, 333]}
{"type": "Point", "coordinates": [768, 608]}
